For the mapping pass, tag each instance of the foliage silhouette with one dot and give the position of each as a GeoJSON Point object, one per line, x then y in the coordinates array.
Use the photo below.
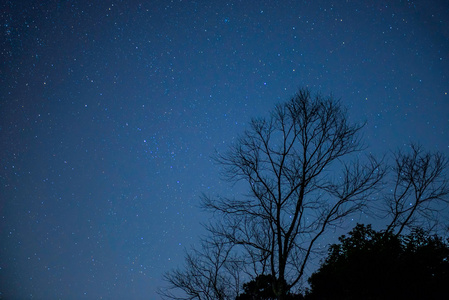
{"type": "Point", "coordinates": [369, 264]}
{"type": "Point", "coordinates": [262, 288]}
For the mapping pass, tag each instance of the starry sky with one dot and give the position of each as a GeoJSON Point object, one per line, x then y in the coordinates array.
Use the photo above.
{"type": "Point", "coordinates": [110, 111]}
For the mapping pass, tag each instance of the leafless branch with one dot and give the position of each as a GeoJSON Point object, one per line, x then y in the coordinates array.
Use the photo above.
{"type": "Point", "coordinates": [420, 187]}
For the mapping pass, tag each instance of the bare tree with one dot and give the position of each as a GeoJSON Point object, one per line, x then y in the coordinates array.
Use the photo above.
{"type": "Point", "coordinates": [296, 165]}
{"type": "Point", "coordinates": [419, 189]}
{"type": "Point", "coordinates": [211, 273]}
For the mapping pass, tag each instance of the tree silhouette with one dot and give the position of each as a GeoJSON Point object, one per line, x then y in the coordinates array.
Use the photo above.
{"type": "Point", "coordinates": [287, 162]}
{"type": "Point", "coordinates": [382, 265]}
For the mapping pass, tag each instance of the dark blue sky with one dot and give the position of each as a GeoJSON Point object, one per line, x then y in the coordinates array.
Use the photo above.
{"type": "Point", "coordinates": [110, 110]}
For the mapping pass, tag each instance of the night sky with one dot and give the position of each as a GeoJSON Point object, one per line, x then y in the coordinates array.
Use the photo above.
{"type": "Point", "coordinates": [110, 111]}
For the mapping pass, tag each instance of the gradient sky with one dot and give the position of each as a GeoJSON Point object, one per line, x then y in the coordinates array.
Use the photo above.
{"type": "Point", "coordinates": [110, 110]}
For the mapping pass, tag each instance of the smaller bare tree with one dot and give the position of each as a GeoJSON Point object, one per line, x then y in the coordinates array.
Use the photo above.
{"type": "Point", "coordinates": [419, 188]}
{"type": "Point", "coordinates": [211, 273]}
